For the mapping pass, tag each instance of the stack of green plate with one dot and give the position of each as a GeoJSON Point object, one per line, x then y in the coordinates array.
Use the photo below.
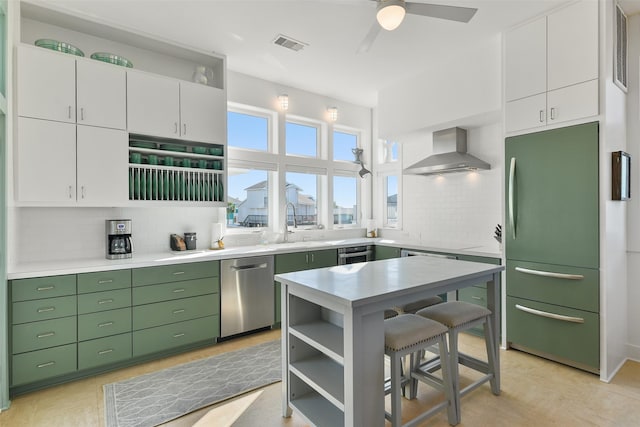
{"type": "Point", "coordinates": [59, 46]}
{"type": "Point", "coordinates": [112, 59]}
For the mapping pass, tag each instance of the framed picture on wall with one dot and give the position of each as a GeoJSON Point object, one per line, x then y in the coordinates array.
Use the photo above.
{"type": "Point", "coordinates": [621, 176]}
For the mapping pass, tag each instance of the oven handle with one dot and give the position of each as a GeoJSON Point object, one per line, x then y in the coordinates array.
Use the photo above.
{"type": "Point", "coordinates": [355, 254]}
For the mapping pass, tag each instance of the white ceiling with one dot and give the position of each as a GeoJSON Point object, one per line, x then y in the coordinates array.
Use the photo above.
{"type": "Point", "coordinates": [245, 29]}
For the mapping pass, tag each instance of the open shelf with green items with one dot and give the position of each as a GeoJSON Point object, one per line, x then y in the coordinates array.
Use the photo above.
{"type": "Point", "coordinates": [176, 171]}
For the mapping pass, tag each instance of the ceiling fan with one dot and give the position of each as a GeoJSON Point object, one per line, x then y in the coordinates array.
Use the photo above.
{"type": "Point", "coordinates": [390, 14]}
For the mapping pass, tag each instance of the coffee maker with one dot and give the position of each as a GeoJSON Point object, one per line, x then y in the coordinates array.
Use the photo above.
{"type": "Point", "coordinates": [119, 238]}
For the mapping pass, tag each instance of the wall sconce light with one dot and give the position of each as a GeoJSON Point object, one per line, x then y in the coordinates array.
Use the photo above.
{"type": "Point", "coordinates": [284, 101]}
{"type": "Point", "coordinates": [333, 113]}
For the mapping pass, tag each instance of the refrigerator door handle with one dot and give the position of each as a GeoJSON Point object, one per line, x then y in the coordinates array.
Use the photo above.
{"type": "Point", "coordinates": [550, 274]}
{"type": "Point", "coordinates": [550, 315]}
{"type": "Point", "coordinates": [512, 178]}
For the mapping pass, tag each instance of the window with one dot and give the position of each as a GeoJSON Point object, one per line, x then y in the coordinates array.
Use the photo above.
{"type": "Point", "coordinates": [345, 200]}
{"type": "Point", "coordinates": [302, 191]}
{"type": "Point", "coordinates": [248, 198]}
{"type": "Point", "coordinates": [247, 131]}
{"type": "Point", "coordinates": [343, 143]}
{"type": "Point", "coordinates": [391, 200]}
{"type": "Point", "coordinates": [301, 140]}
{"type": "Point", "coordinates": [390, 151]}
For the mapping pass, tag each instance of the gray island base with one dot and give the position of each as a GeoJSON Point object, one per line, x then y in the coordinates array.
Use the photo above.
{"type": "Point", "coordinates": [333, 332]}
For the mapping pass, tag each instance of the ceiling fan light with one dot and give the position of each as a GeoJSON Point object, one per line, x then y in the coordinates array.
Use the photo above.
{"type": "Point", "coordinates": [390, 14]}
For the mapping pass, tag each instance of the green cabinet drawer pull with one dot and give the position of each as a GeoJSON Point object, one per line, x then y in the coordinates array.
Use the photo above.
{"type": "Point", "coordinates": [550, 315]}
{"type": "Point", "coordinates": [105, 301]}
{"type": "Point", "coordinates": [102, 325]}
{"type": "Point", "coordinates": [179, 335]}
{"type": "Point", "coordinates": [45, 288]}
{"type": "Point", "coordinates": [177, 273]}
{"type": "Point", "coordinates": [478, 298]}
{"type": "Point", "coordinates": [105, 351]}
{"type": "Point", "coordinates": [46, 309]}
{"type": "Point", "coordinates": [44, 365]}
{"type": "Point", "coordinates": [176, 291]}
{"type": "Point", "coordinates": [102, 282]}
{"type": "Point", "coordinates": [46, 335]}
{"type": "Point", "coordinates": [550, 274]}
{"type": "Point", "coordinates": [182, 310]}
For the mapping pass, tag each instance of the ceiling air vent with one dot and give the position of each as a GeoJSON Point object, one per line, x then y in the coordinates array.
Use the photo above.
{"type": "Point", "coordinates": [289, 43]}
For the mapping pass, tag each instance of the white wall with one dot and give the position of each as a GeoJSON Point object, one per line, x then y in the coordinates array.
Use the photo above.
{"type": "Point", "coordinates": [465, 87]}
{"type": "Point", "coordinates": [457, 209]}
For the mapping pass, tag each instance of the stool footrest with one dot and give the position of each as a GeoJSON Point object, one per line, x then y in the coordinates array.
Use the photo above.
{"type": "Point", "coordinates": [476, 384]}
{"type": "Point", "coordinates": [473, 363]}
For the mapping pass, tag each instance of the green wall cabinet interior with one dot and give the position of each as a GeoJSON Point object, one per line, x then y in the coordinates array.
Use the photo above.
{"type": "Point", "coordinates": [555, 197]}
{"type": "Point", "coordinates": [298, 261]}
{"type": "Point", "coordinates": [386, 252]}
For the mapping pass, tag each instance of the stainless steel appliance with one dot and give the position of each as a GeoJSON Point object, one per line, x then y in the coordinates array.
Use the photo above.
{"type": "Point", "coordinates": [246, 294]}
{"type": "Point", "coordinates": [408, 252]}
{"type": "Point", "coordinates": [355, 254]}
{"type": "Point", "coordinates": [119, 245]}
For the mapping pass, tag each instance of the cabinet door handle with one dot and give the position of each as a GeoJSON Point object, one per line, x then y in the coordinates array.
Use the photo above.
{"type": "Point", "coordinates": [179, 335]}
{"type": "Point", "coordinates": [69, 111]}
{"type": "Point", "coordinates": [477, 298]}
{"type": "Point", "coordinates": [82, 191]}
{"type": "Point", "coordinates": [105, 324]}
{"type": "Point", "coordinates": [46, 309]}
{"type": "Point", "coordinates": [181, 310]}
{"type": "Point", "coordinates": [102, 282]}
{"type": "Point", "coordinates": [177, 273]}
{"type": "Point", "coordinates": [45, 288]}
{"type": "Point", "coordinates": [550, 274]}
{"type": "Point", "coordinates": [70, 192]}
{"type": "Point", "coordinates": [306, 258]}
{"type": "Point", "coordinates": [541, 116]}
{"type": "Point", "coordinates": [553, 113]}
{"type": "Point", "coordinates": [550, 315]}
{"type": "Point", "coordinates": [82, 113]}
{"type": "Point", "coordinates": [177, 291]}
{"type": "Point", "coordinates": [46, 335]}
{"type": "Point", "coordinates": [512, 181]}
{"type": "Point", "coordinates": [175, 127]}
{"type": "Point", "coordinates": [44, 365]}
{"type": "Point", "coordinates": [184, 128]}
{"type": "Point", "coordinates": [110, 350]}
{"type": "Point", "coordinates": [105, 301]}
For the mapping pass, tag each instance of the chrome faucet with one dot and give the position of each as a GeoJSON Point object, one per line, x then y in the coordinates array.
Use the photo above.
{"type": "Point", "coordinates": [286, 223]}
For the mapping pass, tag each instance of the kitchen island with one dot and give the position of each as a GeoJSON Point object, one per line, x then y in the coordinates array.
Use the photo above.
{"type": "Point", "coordinates": [333, 332]}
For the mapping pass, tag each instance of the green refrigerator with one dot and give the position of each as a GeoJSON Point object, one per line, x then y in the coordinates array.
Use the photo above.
{"type": "Point", "coordinates": [551, 239]}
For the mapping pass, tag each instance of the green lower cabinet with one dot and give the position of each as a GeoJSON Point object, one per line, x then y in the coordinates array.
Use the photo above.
{"type": "Point", "coordinates": [43, 364]}
{"type": "Point", "coordinates": [50, 308]}
{"type": "Point", "coordinates": [104, 281]}
{"type": "Point", "coordinates": [104, 351]}
{"type": "Point", "coordinates": [39, 335]}
{"type": "Point", "coordinates": [43, 287]}
{"type": "Point", "coordinates": [177, 272]}
{"type": "Point", "coordinates": [162, 313]}
{"type": "Point", "coordinates": [101, 301]}
{"type": "Point", "coordinates": [564, 334]}
{"type": "Point", "coordinates": [169, 291]}
{"type": "Point", "coordinates": [166, 337]}
{"type": "Point", "coordinates": [104, 323]}
{"type": "Point", "coordinates": [386, 252]}
{"type": "Point", "coordinates": [474, 295]}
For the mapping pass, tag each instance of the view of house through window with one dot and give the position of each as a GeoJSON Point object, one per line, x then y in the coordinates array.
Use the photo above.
{"type": "Point", "coordinates": [248, 198]}
{"type": "Point", "coordinates": [345, 200]}
{"type": "Point", "coordinates": [301, 192]}
{"type": "Point", "coordinates": [302, 140]}
{"type": "Point", "coordinates": [391, 193]}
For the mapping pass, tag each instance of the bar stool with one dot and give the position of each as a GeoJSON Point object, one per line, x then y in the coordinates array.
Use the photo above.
{"type": "Point", "coordinates": [460, 316]}
{"type": "Point", "coordinates": [407, 334]}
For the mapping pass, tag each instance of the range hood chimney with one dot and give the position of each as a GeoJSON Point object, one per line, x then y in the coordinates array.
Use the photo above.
{"type": "Point", "coordinates": [449, 155]}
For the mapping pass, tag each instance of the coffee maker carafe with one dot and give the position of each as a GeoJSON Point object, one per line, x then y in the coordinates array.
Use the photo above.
{"type": "Point", "coordinates": [119, 238]}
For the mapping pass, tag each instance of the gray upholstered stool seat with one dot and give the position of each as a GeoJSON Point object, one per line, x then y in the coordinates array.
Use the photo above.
{"type": "Point", "coordinates": [414, 306]}
{"type": "Point", "coordinates": [460, 316]}
{"type": "Point", "coordinates": [390, 313]}
{"type": "Point", "coordinates": [407, 334]}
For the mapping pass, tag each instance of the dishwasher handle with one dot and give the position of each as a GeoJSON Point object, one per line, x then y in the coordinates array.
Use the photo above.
{"type": "Point", "coordinates": [249, 267]}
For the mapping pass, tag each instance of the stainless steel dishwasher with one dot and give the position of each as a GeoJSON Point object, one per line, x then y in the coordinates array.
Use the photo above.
{"type": "Point", "coordinates": [246, 294]}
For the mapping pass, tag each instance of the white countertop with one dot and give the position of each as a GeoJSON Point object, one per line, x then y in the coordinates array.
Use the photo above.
{"type": "Point", "coordinates": [56, 268]}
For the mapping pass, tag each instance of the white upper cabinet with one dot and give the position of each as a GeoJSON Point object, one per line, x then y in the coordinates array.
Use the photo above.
{"type": "Point", "coordinates": [552, 59]}
{"type": "Point", "coordinates": [573, 45]}
{"type": "Point", "coordinates": [526, 60]}
{"type": "Point", "coordinates": [169, 108]}
{"type": "Point", "coordinates": [102, 95]}
{"type": "Point", "coordinates": [46, 85]}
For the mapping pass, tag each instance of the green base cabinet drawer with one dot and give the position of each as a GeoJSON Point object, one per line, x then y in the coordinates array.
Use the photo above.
{"type": "Point", "coordinates": [548, 330]}
{"type": "Point", "coordinates": [175, 335]}
{"type": "Point", "coordinates": [104, 323]}
{"type": "Point", "coordinates": [474, 295]}
{"type": "Point", "coordinates": [386, 252]}
{"type": "Point", "coordinates": [51, 308]}
{"type": "Point", "coordinates": [532, 281]}
{"type": "Point", "coordinates": [43, 287]}
{"type": "Point", "coordinates": [43, 364]}
{"type": "Point", "coordinates": [175, 290]}
{"type": "Point", "coordinates": [104, 351]}
{"type": "Point", "coordinates": [103, 281]}
{"type": "Point", "coordinates": [162, 313]}
{"type": "Point", "coordinates": [174, 273]}
{"type": "Point", "coordinates": [101, 301]}
{"type": "Point", "coordinates": [38, 335]}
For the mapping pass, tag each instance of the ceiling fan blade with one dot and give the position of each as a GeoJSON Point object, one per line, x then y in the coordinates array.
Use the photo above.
{"type": "Point", "coordinates": [452, 13]}
{"type": "Point", "coordinates": [366, 44]}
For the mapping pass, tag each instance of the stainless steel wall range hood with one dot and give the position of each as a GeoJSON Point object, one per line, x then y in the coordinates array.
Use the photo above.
{"type": "Point", "coordinates": [449, 155]}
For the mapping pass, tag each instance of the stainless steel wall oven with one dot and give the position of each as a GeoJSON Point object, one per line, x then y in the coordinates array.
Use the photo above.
{"type": "Point", "coordinates": [355, 254]}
